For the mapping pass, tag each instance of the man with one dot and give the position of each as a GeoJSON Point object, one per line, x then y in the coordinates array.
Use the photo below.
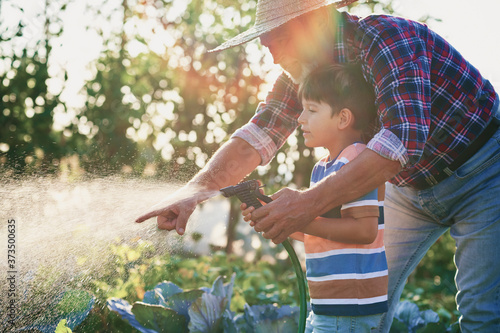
{"type": "Point", "coordinates": [437, 145]}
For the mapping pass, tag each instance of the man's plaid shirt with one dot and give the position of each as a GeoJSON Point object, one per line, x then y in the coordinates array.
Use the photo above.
{"type": "Point", "coordinates": [431, 101]}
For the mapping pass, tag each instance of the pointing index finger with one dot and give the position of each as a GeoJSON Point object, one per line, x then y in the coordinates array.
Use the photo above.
{"type": "Point", "coordinates": [147, 216]}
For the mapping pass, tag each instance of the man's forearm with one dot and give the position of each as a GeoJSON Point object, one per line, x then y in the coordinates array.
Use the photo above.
{"type": "Point", "coordinates": [230, 164]}
{"type": "Point", "coordinates": [365, 173]}
{"type": "Point", "coordinates": [233, 161]}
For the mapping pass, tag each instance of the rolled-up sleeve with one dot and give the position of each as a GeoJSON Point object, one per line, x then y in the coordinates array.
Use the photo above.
{"type": "Point", "coordinates": [258, 139]}
{"type": "Point", "coordinates": [388, 145]}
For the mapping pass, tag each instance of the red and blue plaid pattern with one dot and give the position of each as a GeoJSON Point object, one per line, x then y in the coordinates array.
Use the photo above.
{"type": "Point", "coordinates": [432, 103]}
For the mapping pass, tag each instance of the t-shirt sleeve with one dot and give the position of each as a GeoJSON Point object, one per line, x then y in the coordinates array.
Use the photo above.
{"type": "Point", "coordinates": [367, 205]}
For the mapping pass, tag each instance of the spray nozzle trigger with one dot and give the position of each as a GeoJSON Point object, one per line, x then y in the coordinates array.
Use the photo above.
{"type": "Point", "coordinates": [247, 192]}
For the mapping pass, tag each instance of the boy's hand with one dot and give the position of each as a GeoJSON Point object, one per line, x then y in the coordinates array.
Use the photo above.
{"type": "Point", "coordinates": [247, 213]}
{"type": "Point", "coordinates": [290, 211]}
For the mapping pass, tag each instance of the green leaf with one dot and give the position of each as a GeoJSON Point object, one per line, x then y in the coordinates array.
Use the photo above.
{"type": "Point", "coordinates": [429, 316]}
{"type": "Point", "coordinates": [161, 293]}
{"type": "Point", "coordinates": [206, 314]}
{"type": "Point", "coordinates": [281, 325]}
{"type": "Point", "coordinates": [228, 322]}
{"type": "Point", "coordinates": [218, 287]}
{"type": "Point", "coordinates": [74, 302]}
{"type": "Point", "coordinates": [124, 309]}
{"type": "Point", "coordinates": [182, 301]}
{"type": "Point", "coordinates": [62, 328]}
{"type": "Point", "coordinates": [221, 290]}
{"type": "Point", "coordinates": [409, 314]}
{"type": "Point", "coordinates": [159, 318]}
{"type": "Point", "coordinates": [268, 318]}
{"type": "Point", "coordinates": [72, 305]}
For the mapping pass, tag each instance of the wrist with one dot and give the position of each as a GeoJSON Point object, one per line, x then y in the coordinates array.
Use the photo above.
{"type": "Point", "coordinates": [316, 202]}
{"type": "Point", "coordinates": [199, 190]}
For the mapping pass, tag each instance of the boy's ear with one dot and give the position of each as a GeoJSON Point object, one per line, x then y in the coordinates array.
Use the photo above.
{"type": "Point", "coordinates": [346, 118]}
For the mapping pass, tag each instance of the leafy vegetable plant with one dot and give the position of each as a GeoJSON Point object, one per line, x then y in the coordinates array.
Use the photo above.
{"type": "Point", "coordinates": [70, 306]}
{"type": "Point", "coordinates": [268, 318]}
{"type": "Point", "coordinates": [408, 313]}
{"type": "Point", "coordinates": [206, 310]}
{"type": "Point", "coordinates": [168, 307]}
{"type": "Point", "coordinates": [62, 328]}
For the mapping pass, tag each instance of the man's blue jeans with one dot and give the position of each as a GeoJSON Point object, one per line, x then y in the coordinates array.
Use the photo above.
{"type": "Point", "coordinates": [468, 203]}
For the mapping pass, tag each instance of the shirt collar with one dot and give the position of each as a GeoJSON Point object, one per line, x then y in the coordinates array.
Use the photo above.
{"type": "Point", "coordinates": [343, 48]}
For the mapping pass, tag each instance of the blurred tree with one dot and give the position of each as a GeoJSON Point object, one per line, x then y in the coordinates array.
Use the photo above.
{"type": "Point", "coordinates": [27, 141]}
{"type": "Point", "coordinates": [158, 104]}
{"type": "Point", "coordinates": [157, 99]}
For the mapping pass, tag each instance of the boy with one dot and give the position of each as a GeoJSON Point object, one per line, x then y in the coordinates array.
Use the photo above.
{"type": "Point", "coordinates": [345, 255]}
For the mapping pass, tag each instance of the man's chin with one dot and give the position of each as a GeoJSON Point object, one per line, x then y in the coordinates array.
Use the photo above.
{"type": "Point", "coordinates": [292, 77]}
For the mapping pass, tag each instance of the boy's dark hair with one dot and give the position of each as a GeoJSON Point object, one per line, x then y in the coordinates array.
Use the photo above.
{"type": "Point", "coordinates": [342, 86]}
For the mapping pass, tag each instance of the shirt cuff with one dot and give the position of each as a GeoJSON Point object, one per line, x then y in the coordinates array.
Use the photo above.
{"type": "Point", "coordinates": [258, 139]}
{"type": "Point", "coordinates": [388, 145]}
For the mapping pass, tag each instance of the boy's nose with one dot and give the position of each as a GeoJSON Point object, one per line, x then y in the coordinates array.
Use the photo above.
{"type": "Point", "coordinates": [302, 119]}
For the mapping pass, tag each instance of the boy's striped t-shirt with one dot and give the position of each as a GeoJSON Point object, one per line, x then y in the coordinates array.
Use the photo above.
{"type": "Point", "coordinates": [347, 279]}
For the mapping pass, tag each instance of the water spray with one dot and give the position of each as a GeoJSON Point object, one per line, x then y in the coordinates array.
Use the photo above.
{"type": "Point", "coordinates": [249, 193]}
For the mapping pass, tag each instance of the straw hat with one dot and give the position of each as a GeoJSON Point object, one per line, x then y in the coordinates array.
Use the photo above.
{"type": "Point", "coordinates": [274, 13]}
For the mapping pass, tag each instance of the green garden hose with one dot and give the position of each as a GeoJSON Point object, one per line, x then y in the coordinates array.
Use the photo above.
{"type": "Point", "coordinates": [301, 281]}
{"type": "Point", "coordinates": [248, 192]}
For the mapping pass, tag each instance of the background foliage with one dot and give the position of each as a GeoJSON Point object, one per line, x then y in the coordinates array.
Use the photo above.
{"type": "Point", "coordinates": [128, 271]}
{"type": "Point", "coordinates": [154, 103]}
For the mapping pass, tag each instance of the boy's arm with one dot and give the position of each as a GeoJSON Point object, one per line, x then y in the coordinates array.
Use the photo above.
{"type": "Point", "coordinates": [298, 236]}
{"type": "Point", "coordinates": [350, 230]}
{"type": "Point", "coordinates": [345, 229]}
{"type": "Point", "coordinates": [287, 213]}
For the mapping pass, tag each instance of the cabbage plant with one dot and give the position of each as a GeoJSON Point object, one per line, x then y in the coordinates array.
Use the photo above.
{"type": "Point", "coordinates": [409, 314]}
{"type": "Point", "coordinates": [168, 308]}
{"type": "Point", "coordinates": [69, 307]}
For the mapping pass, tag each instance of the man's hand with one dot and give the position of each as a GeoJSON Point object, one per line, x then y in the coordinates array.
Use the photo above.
{"type": "Point", "coordinates": [231, 163]}
{"type": "Point", "coordinates": [174, 212]}
{"type": "Point", "coordinates": [286, 214]}
{"type": "Point", "coordinates": [292, 210]}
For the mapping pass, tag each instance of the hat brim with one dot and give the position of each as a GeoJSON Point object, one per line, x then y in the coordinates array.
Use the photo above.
{"type": "Point", "coordinates": [261, 29]}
